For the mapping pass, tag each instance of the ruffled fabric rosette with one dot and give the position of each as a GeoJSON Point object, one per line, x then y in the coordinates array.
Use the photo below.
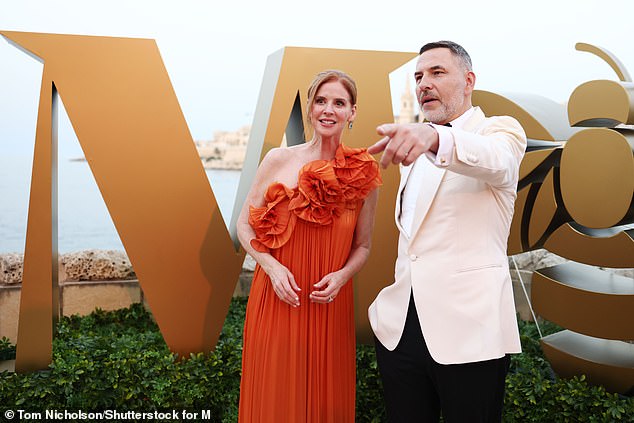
{"type": "Point", "coordinates": [357, 172]}
{"type": "Point", "coordinates": [324, 189]}
{"type": "Point", "coordinates": [274, 223]}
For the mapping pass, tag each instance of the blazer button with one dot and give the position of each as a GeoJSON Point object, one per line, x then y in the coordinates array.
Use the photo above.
{"type": "Point", "coordinates": [413, 257]}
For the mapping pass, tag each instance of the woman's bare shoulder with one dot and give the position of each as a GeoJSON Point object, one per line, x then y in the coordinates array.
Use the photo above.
{"type": "Point", "coordinates": [281, 153]}
{"type": "Point", "coordinates": [284, 155]}
{"type": "Point", "coordinates": [275, 162]}
{"type": "Point", "coordinates": [283, 164]}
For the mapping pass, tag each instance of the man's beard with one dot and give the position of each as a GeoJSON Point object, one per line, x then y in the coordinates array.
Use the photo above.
{"type": "Point", "coordinates": [445, 112]}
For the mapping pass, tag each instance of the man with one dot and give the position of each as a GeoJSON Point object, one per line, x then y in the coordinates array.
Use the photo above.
{"type": "Point", "coordinates": [445, 327]}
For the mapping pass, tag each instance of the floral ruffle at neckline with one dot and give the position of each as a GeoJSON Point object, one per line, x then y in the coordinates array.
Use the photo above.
{"type": "Point", "coordinates": [324, 189]}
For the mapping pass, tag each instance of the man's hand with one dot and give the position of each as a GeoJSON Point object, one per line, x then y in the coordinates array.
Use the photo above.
{"type": "Point", "coordinates": [403, 143]}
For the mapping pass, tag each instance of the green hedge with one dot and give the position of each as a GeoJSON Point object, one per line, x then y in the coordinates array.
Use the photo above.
{"type": "Point", "coordinates": [118, 360]}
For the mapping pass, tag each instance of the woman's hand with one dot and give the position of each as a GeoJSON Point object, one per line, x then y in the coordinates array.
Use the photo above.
{"type": "Point", "coordinates": [283, 283]}
{"type": "Point", "coordinates": [328, 287]}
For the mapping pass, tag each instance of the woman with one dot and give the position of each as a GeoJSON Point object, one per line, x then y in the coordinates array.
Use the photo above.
{"type": "Point", "coordinates": [307, 222]}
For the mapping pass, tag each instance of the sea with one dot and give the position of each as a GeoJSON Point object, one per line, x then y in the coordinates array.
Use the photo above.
{"type": "Point", "coordinates": [83, 219]}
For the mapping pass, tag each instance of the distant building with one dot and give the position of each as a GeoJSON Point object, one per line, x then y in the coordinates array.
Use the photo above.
{"type": "Point", "coordinates": [226, 150]}
{"type": "Point", "coordinates": [409, 106]}
{"type": "Point", "coordinates": [406, 114]}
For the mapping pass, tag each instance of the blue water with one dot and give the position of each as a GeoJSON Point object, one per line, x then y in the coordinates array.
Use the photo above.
{"type": "Point", "coordinates": [83, 220]}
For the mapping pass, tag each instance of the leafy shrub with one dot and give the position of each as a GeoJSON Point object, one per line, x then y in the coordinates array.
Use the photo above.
{"type": "Point", "coordinates": [535, 394]}
{"type": "Point", "coordinates": [118, 360]}
{"type": "Point", "coordinates": [7, 351]}
{"type": "Point", "coordinates": [370, 406]}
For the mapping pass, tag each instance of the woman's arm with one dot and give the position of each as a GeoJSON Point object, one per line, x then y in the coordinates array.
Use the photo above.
{"type": "Point", "coordinates": [281, 278]}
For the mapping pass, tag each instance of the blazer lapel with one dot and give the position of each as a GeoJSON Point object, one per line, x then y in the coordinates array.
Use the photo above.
{"type": "Point", "coordinates": [405, 171]}
{"type": "Point", "coordinates": [432, 176]}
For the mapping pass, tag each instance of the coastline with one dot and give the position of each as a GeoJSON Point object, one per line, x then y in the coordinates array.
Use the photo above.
{"type": "Point", "coordinates": [209, 163]}
{"type": "Point", "coordinates": [213, 164]}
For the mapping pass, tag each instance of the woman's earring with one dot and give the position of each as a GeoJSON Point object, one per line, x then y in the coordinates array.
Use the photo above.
{"type": "Point", "coordinates": [350, 125]}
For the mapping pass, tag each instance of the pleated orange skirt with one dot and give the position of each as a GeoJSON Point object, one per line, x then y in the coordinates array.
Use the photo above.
{"type": "Point", "coordinates": [298, 364]}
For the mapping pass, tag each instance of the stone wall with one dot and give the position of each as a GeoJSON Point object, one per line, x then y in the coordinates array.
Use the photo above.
{"type": "Point", "coordinates": [11, 268]}
{"type": "Point", "coordinates": [106, 279]}
{"type": "Point", "coordinates": [90, 265]}
{"type": "Point", "coordinates": [88, 279]}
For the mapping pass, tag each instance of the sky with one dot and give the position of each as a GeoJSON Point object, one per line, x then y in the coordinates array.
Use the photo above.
{"type": "Point", "coordinates": [215, 51]}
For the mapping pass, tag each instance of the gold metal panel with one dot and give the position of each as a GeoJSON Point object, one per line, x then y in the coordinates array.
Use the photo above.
{"type": "Point", "coordinates": [565, 293]}
{"type": "Point", "coordinates": [130, 126]}
{"type": "Point", "coordinates": [609, 58]}
{"type": "Point", "coordinates": [602, 103]}
{"type": "Point", "coordinates": [614, 249]}
{"type": "Point", "coordinates": [576, 199]}
{"type": "Point", "coordinates": [542, 220]}
{"type": "Point", "coordinates": [514, 244]}
{"type": "Point", "coordinates": [39, 304]}
{"type": "Point", "coordinates": [288, 74]}
{"type": "Point", "coordinates": [598, 189]}
{"type": "Point", "coordinates": [538, 210]}
{"type": "Point", "coordinates": [531, 162]}
{"type": "Point", "coordinates": [545, 208]}
{"type": "Point", "coordinates": [604, 362]}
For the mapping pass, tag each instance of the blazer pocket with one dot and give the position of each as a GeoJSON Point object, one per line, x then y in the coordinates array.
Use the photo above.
{"type": "Point", "coordinates": [479, 267]}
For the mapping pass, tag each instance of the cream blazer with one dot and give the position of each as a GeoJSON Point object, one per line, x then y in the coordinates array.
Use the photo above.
{"type": "Point", "coordinates": [455, 261]}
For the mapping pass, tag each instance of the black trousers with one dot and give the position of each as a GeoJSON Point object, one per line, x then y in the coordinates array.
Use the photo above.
{"type": "Point", "coordinates": [418, 389]}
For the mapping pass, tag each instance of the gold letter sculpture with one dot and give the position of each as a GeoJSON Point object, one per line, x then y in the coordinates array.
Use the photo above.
{"type": "Point", "coordinates": [576, 199]}
{"type": "Point", "coordinates": [133, 133]}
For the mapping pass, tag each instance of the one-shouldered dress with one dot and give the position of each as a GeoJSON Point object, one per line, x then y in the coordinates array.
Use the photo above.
{"type": "Point", "coordinates": [298, 363]}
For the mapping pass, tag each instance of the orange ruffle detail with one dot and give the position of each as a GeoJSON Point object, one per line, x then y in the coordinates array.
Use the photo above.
{"type": "Point", "coordinates": [273, 224]}
{"type": "Point", "coordinates": [318, 198]}
{"type": "Point", "coordinates": [358, 173]}
{"type": "Point", "coordinates": [324, 189]}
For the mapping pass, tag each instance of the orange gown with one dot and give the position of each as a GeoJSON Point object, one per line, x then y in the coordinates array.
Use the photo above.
{"type": "Point", "coordinates": [298, 364]}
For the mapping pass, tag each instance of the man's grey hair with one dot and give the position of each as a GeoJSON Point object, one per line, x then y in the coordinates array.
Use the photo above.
{"type": "Point", "coordinates": [455, 48]}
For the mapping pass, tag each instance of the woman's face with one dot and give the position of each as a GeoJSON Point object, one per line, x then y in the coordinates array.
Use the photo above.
{"type": "Point", "coordinates": [331, 109]}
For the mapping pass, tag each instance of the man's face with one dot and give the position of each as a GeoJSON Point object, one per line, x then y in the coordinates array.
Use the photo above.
{"type": "Point", "coordinates": [443, 85]}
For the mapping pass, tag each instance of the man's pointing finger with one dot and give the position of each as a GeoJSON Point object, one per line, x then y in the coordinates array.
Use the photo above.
{"type": "Point", "coordinates": [379, 145]}
{"type": "Point", "coordinates": [387, 129]}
